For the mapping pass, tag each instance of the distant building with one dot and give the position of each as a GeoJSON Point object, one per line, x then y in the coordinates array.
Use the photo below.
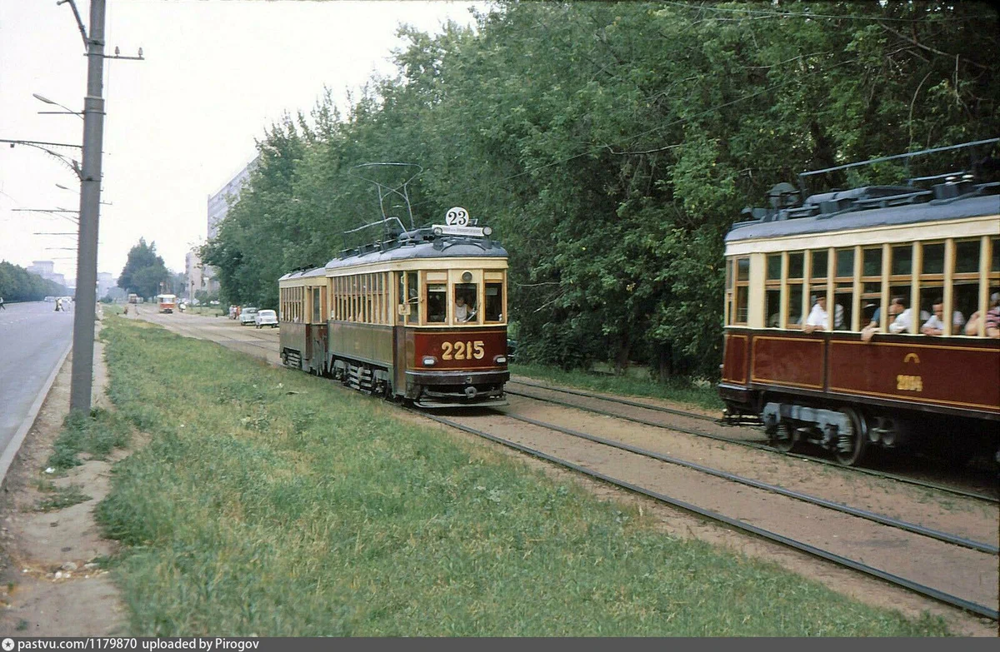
{"type": "Point", "coordinates": [106, 281]}
{"type": "Point", "coordinates": [218, 207]}
{"type": "Point", "coordinates": [200, 276]}
{"type": "Point", "coordinates": [46, 269]}
{"type": "Point", "coordinates": [218, 204]}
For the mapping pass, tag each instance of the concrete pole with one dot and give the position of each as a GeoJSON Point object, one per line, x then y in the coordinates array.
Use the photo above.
{"type": "Point", "coordinates": [90, 206]}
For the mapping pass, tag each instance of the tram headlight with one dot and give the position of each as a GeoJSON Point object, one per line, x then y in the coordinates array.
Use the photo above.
{"type": "Point", "coordinates": [467, 277]}
{"type": "Point", "coordinates": [429, 361]}
{"type": "Point", "coordinates": [487, 231]}
{"type": "Point", "coordinates": [500, 359]}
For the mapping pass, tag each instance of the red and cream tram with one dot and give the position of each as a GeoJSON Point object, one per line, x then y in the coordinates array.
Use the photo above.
{"type": "Point", "coordinates": [807, 347]}
{"type": "Point", "coordinates": [421, 318]}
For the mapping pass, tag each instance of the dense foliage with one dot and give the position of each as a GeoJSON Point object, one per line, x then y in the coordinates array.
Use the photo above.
{"type": "Point", "coordinates": [18, 284]}
{"type": "Point", "coordinates": [144, 271]}
{"type": "Point", "coordinates": [611, 146]}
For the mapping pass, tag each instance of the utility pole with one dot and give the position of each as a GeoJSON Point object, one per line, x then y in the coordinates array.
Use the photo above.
{"type": "Point", "coordinates": [90, 207]}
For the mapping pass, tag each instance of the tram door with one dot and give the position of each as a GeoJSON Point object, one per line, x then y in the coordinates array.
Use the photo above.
{"type": "Point", "coordinates": [407, 313]}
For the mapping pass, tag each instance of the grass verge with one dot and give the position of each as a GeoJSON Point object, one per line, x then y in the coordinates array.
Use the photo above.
{"type": "Point", "coordinates": [699, 394]}
{"type": "Point", "coordinates": [95, 434]}
{"type": "Point", "coordinates": [59, 497]}
{"type": "Point", "coordinates": [268, 502]}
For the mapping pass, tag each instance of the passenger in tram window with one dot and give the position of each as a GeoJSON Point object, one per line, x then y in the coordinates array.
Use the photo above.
{"type": "Point", "coordinates": [461, 310]}
{"type": "Point", "coordinates": [465, 302]}
{"type": "Point", "coordinates": [992, 319]}
{"type": "Point", "coordinates": [935, 325]}
{"type": "Point", "coordinates": [905, 318]}
{"type": "Point", "coordinates": [818, 318]}
{"type": "Point", "coordinates": [896, 306]}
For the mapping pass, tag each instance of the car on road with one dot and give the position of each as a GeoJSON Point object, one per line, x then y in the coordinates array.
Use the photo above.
{"type": "Point", "coordinates": [247, 316]}
{"type": "Point", "coordinates": [265, 318]}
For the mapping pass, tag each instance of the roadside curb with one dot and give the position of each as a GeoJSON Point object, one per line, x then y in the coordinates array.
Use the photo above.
{"type": "Point", "coordinates": [15, 443]}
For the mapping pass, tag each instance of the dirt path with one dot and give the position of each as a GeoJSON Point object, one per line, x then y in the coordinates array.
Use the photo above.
{"type": "Point", "coordinates": [53, 583]}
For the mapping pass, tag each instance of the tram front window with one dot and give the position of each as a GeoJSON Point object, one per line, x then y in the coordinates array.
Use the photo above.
{"type": "Point", "coordinates": [494, 302]}
{"type": "Point", "coordinates": [466, 302]}
{"type": "Point", "coordinates": [437, 303]}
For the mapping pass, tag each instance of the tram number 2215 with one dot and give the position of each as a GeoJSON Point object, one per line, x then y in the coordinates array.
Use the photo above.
{"type": "Point", "coordinates": [463, 350]}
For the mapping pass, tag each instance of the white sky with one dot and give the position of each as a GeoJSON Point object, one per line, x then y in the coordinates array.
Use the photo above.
{"type": "Point", "coordinates": [180, 124]}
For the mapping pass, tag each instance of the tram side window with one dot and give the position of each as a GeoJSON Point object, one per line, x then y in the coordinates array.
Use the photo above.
{"type": "Point", "coordinates": [741, 294]}
{"type": "Point", "coordinates": [729, 292]}
{"type": "Point", "coordinates": [414, 300]}
{"type": "Point", "coordinates": [900, 283]}
{"type": "Point", "coordinates": [843, 299]}
{"type": "Point", "coordinates": [494, 302]}
{"type": "Point", "coordinates": [932, 284]}
{"type": "Point", "coordinates": [317, 307]}
{"type": "Point", "coordinates": [796, 268]}
{"type": "Point", "coordinates": [871, 286]}
{"type": "Point", "coordinates": [466, 303]}
{"type": "Point", "coordinates": [400, 295]}
{"type": "Point", "coordinates": [965, 293]}
{"type": "Point", "coordinates": [772, 292]}
{"type": "Point", "coordinates": [437, 303]}
{"type": "Point", "coordinates": [819, 271]}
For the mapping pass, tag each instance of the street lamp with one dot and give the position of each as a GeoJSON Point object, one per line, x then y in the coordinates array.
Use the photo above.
{"type": "Point", "coordinates": [54, 103]}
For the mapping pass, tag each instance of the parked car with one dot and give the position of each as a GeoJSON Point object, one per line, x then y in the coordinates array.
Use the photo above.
{"type": "Point", "coordinates": [265, 318]}
{"type": "Point", "coordinates": [247, 316]}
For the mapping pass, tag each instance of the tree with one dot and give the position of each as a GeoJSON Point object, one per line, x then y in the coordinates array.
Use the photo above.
{"type": "Point", "coordinates": [18, 284]}
{"type": "Point", "coordinates": [612, 146]}
{"type": "Point", "coordinates": [144, 270]}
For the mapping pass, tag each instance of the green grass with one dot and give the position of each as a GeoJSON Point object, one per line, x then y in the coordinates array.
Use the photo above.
{"type": "Point", "coordinates": [95, 434]}
{"type": "Point", "coordinates": [207, 311]}
{"type": "Point", "coordinates": [272, 503]}
{"type": "Point", "coordinates": [701, 394]}
{"type": "Point", "coordinates": [60, 498]}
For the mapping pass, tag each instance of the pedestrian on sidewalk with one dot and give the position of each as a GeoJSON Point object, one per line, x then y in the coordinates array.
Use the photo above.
{"type": "Point", "coordinates": [2, 307]}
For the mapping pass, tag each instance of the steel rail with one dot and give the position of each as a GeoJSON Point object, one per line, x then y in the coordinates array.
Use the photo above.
{"type": "Point", "coordinates": [764, 447]}
{"type": "Point", "coordinates": [623, 401]}
{"type": "Point", "coordinates": [777, 489]}
{"type": "Point", "coordinates": [916, 587]}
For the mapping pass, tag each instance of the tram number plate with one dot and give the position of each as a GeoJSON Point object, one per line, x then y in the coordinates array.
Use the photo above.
{"type": "Point", "coordinates": [463, 350]}
{"type": "Point", "coordinates": [909, 383]}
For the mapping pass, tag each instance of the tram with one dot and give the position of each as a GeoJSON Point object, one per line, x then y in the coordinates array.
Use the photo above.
{"type": "Point", "coordinates": [420, 317]}
{"type": "Point", "coordinates": [166, 303]}
{"type": "Point", "coordinates": [869, 317]}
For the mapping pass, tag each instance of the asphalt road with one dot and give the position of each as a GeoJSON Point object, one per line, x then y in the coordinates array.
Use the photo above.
{"type": "Point", "coordinates": [33, 338]}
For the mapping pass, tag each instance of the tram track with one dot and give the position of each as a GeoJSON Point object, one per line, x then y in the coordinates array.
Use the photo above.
{"type": "Point", "coordinates": [969, 605]}
{"type": "Point", "coordinates": [730, 440]}
{"type": "Point", "coordinates": [777, 489]}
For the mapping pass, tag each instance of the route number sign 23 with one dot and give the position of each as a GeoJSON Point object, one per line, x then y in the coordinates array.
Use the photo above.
{"type": "Point", "coordinates": [457, 216]}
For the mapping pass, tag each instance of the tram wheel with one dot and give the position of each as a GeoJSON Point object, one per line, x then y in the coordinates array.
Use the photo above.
{"type": "Point", "coordinates": [851, 445]}
{"type": "Point", "coordinates": [784, 438]}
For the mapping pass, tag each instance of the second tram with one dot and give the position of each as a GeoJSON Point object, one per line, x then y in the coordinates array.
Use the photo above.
{"type": "Point", "coordinates": [869, 318]}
